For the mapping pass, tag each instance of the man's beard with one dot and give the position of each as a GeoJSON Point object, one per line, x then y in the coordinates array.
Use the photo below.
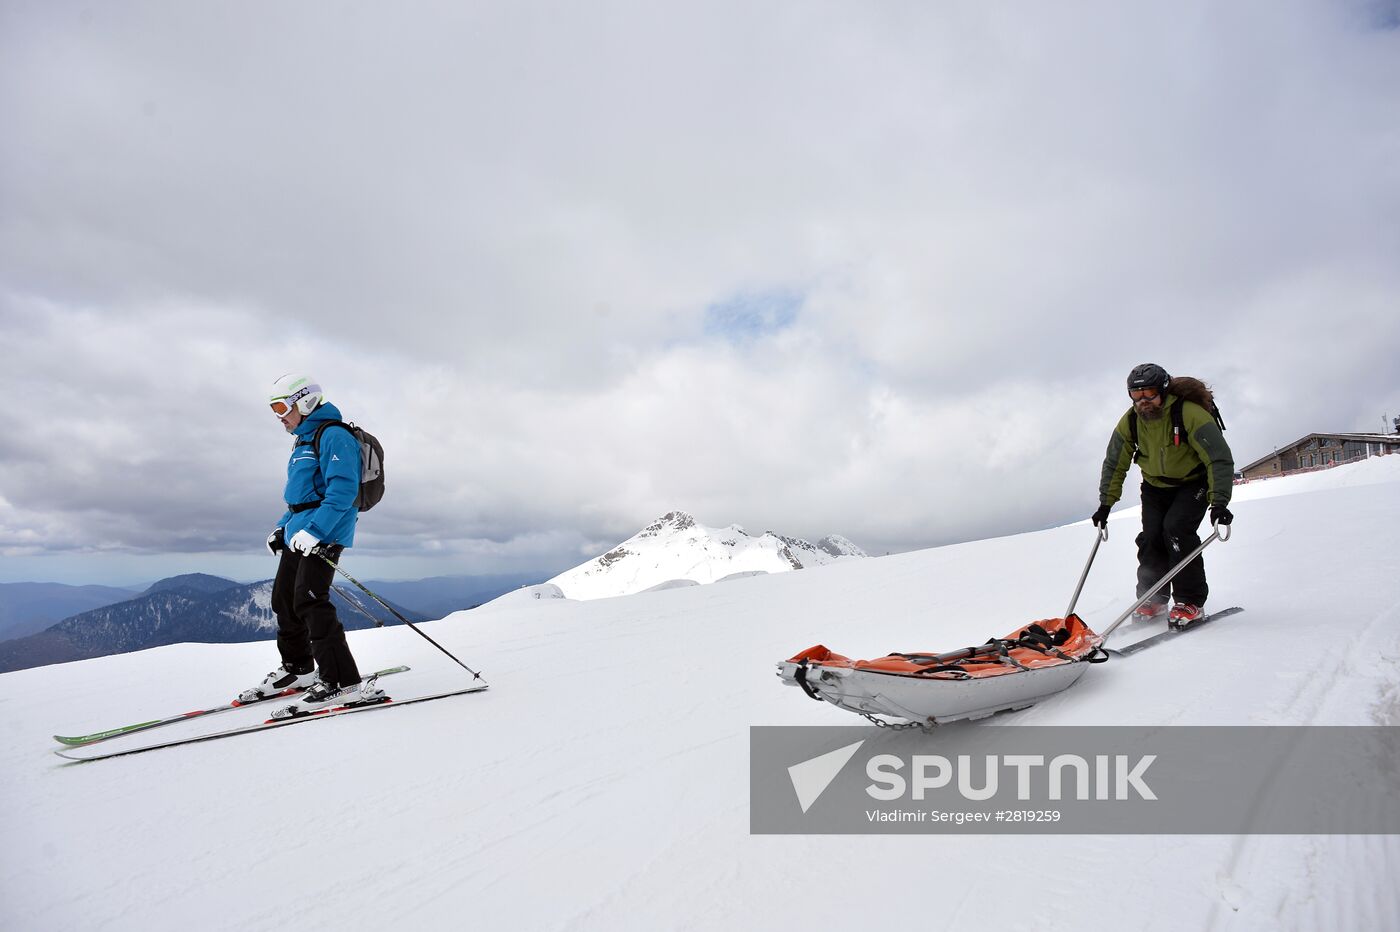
{"type": "Point", "coordinates": [1149, 412]}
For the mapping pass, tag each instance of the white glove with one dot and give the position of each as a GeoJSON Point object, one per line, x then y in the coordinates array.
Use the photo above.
{"type": "Point", "coordinates": [276, 541]}
{"type": "Point", "coordinates": [303, 542]}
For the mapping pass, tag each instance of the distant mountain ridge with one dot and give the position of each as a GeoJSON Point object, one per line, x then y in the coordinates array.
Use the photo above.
{"type": "Point", "coordinates": [29, 607]}
{"type": "Point", "coordinates": [191, 608]}
{"type": "Point", "coordinates": [675, 548]}
{"type": "Point", "coordinates": [193, 582]}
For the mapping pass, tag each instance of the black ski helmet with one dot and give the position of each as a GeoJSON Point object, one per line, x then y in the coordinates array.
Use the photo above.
{"type": "Point", "coordinates": [1149, 375]}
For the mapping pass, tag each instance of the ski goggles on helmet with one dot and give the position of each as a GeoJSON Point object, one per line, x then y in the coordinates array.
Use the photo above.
{"type": "Point", "coordinates": [283, 406]}
{"type": "Point", "coordinates": [1138, 394]}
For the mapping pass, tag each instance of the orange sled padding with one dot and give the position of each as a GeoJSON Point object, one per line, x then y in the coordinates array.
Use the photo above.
{"type": "Point", "coordinates": [1013, 672]}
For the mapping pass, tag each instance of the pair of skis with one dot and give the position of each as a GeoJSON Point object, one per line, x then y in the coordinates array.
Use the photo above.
{"type": "Point", "coordinates": [1137, 646]}
{"type": "Point", "coordinates": [83, 740]}
{"type": "Point", "coordinates": [75, 747]}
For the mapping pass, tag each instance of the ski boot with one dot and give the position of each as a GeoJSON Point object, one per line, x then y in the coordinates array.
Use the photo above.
{"type": "Point", "coordinates": [1149, 610]}
{"type": "Point", "coordinates": [1184, 615]}
{"type": "Point", "coordinates": [286, 680]}
{"type": "Point", "coordinates": [321, 695]}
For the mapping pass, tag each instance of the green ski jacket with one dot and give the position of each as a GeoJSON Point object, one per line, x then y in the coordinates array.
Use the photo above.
{"type": "Point", "coordinates": [1202, 454]}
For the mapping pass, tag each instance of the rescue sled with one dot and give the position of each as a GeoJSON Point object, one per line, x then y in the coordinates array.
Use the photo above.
{"type": "Point", "coordinates": [1003, 674]}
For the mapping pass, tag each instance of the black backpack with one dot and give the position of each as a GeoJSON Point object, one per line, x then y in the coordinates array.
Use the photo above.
{"type": "Point", "coordinates": [371, 463]}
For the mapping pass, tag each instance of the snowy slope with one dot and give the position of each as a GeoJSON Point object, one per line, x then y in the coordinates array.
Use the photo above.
{"type": "Point", "coordinates": [674, 549]}
{"type": "Point", "coordinates": [602, 782]}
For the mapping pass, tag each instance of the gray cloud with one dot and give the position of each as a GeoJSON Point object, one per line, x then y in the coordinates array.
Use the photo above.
{"type": "Point", "coordinates": [512, 239]}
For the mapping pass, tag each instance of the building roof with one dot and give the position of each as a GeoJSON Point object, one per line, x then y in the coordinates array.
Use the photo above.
{"type": "Point", "coordinates": [1366, 438]}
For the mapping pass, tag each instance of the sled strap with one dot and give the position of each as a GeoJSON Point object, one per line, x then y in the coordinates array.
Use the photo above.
{"type": "Point", "coordinates": [1037, 638]}
{"type": "Point", "coordinates": [801, 677]}
{"type": "Point", "coordinates": [944, 663]}
{"type": "Point", "coordinates": [1051, 640]}
{"type": "Point", "coordinates": [1004, 652]}
{"type": "Point", "coordinates": [1056, 640]}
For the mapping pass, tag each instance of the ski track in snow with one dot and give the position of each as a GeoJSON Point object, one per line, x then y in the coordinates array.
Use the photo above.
{"type": "Point", "coordinates": [602, 784]}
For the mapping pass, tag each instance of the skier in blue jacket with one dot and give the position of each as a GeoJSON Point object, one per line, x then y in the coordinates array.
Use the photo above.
{"type": "Point", "coordinates": [320, 496]}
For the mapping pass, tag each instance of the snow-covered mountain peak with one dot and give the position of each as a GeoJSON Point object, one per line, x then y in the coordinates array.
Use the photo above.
{"type": "Point", "coordinates": [670, 523]}
{"type": "Point", "coordinates": [676, 548]}
{"type": "Point", "coordinates": [839, 546]}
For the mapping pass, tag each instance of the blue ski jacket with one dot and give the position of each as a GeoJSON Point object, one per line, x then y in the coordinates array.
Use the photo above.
{"type": "Point", "coordinates": [333, 480]}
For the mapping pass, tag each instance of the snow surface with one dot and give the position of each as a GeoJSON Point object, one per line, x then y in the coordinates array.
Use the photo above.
{"type": "Point", "coordinates": [524, 596]}
{"type": "Point", "coordinates": [602, 782]}
{"type": "Point", "coordinates": [674, 548]}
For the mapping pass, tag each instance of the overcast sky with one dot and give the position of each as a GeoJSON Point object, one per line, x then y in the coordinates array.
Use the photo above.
{"type": "Point", "coordinates": [872, 268]}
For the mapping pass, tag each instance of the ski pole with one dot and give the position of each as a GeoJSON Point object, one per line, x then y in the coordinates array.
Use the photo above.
{"type": "Point", "coordinates": [357, 605]}
{"type": "Point", "coordinates": [322, 554]}
{"type": "Point", "coordinates": [1099, 538]}
{"type": "Point", "coordinates": [1216, 534]}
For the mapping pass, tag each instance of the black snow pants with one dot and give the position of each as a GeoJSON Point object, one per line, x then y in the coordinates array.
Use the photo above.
{"type": "Point", "coordinates": [1170, 518]}
{"type": "Point", "coordinates": [307, 626]}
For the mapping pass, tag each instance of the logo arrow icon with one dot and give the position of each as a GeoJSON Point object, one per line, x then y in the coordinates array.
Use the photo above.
{"type": "Point", "coordinates": [811, 777]}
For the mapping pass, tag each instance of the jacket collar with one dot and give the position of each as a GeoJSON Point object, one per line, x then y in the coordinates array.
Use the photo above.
{"type": "Point", "coordinates": [325, 411]}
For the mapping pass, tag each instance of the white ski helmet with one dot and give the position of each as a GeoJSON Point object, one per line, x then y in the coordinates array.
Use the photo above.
{"type": "Point", "coordinates": [293, 389]}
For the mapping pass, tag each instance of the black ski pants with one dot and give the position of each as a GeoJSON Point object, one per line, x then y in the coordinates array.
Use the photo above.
{"type": "Point", "coordinates": [1170, 518]}
{"type": "Point", "coordinates": [307, 626]}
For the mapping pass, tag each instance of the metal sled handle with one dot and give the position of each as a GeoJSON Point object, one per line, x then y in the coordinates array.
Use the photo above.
{"type": "Point", "coordinates": [1214, 536]}
{"type": "Point", "coordinates": [1099, 538]}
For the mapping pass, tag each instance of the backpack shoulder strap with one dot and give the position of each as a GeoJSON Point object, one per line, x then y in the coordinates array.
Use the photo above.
{"type": "Point", "coordinates": [1214, 411]}
{"type": "Point", "coordinates": [316, 438]}
{"type": "Point", "coordinates": [1178, 427]}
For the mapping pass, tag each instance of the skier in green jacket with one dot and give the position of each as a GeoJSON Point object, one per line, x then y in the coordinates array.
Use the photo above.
{"type": "Point", "coordinates": [1187, 469]}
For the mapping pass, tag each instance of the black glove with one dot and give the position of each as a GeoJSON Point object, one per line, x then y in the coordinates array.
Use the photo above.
{"type": "Point", "coordinates": [1219, 514]}
{"type": "Point", "coordinates": [1100, 518]}
{"type": "Point", "coordinates": [277, 541]}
